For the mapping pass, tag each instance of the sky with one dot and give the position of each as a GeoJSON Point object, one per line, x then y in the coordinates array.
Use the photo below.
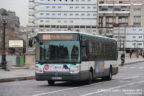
{"type": "Point", "coordinates": [19, 6]}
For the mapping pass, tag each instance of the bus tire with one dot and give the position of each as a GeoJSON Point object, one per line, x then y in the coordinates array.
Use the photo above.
{"type": "Point", "coordinates": [109, 77]}
{"type": "Point", "coordinates": [51, 82]}
{"type": "Point", "coordinates": [90, 79]}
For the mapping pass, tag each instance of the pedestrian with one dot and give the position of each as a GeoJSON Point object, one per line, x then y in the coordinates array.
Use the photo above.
{"type": "Point", "coordinates": [131, 53]}
{"type": "Point", "coordinates": [122, 59]}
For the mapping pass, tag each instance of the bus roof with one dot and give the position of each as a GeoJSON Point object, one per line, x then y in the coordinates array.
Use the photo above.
{"type": "Point", "coordinates": [92, 35]}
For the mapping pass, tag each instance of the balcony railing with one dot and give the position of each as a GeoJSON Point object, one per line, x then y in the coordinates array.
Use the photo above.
{"type": "Point", "coordinates": [114, 4]}
{"type": "Point", "coordinates": [114, 12]}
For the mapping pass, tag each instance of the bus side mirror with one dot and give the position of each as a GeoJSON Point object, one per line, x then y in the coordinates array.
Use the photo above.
{"type": "Point", "coordinates": [40, 43]}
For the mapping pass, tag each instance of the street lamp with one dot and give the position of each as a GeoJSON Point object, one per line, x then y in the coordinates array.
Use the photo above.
{"type": "Point", "coordinates": [4, 22]}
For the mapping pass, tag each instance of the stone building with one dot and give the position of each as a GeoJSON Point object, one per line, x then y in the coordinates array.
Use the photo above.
{"type": "Point", "coordinates": [121, 13]}
{"type": "Point", "coordinates": [12, 28]}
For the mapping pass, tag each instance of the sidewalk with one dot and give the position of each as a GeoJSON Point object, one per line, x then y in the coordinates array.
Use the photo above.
{"type": "Point", "coordinates": [131, 61]}
{"type": "Point", "coordinates": [17, 74]}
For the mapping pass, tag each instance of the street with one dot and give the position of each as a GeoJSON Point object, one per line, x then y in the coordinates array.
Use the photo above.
{"type": "Point", "coordinates": [128, 82]}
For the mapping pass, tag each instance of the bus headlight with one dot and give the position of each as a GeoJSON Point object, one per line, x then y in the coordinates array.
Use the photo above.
{"type": "Point", "coordinates": [38, 69]}
{"type": "Point", "coordinates": [74, 68]}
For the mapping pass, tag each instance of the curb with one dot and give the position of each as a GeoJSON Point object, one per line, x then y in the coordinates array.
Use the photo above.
{"type": "Point", "coordinates": [132, 62]}
{"type": "Point", "coordinates": [17, 79]}
{"type": "Point", "coordinates": [16, 68]}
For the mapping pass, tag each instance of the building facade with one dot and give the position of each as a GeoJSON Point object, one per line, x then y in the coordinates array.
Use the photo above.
{"type": "Point", "coordinates": [120, 13]}
{"type": "Point", "coordinates": [130, 38]}
{"type": "Point", "coordinates": [12, 29]}
{"type": "Point", "coordinates": [77, 15]}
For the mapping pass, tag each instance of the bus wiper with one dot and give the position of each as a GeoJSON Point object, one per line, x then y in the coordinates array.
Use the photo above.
{"type": "Point", "coordinates": [42, 62]}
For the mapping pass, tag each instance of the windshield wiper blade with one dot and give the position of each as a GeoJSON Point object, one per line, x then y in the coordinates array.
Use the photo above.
{"type": "Point", "coordinates": [42, 61]}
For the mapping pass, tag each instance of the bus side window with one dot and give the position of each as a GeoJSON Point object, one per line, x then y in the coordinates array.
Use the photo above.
{"type": "Point", "coordinates": [84, 50]}
{"type": "Point", "coordinates": [84, 55]}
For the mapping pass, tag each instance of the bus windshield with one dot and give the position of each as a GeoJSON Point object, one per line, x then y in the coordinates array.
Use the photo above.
{"type": "Point", "coordinates": [58, 52]}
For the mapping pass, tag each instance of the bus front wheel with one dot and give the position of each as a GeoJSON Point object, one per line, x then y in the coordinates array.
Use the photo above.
{"type": "Point", "coordinates": [51, 82]}
{"type": "Point", "coordinates": [90, 79]}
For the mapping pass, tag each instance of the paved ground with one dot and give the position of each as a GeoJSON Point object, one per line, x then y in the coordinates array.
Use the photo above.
{"type": "Point", "coordinates": [129, 82]}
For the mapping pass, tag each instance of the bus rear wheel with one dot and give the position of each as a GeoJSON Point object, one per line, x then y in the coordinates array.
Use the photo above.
{"type": "Point", "coordinates": [51, 82]}
{"type": "Point", "coordinates": [109, 77]}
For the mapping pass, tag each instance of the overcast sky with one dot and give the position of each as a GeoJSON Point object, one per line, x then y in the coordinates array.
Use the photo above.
{"type": "Point", "coordinates": [19, 6]}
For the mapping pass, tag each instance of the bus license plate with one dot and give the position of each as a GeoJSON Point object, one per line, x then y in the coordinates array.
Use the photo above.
{"type": "Point", "coordinates": [56, 78]}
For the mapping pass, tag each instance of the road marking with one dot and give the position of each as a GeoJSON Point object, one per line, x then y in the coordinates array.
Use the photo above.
{"type": "Point", "coordinates": [132, 77]}
{"type": "Point", "coordinates": [39, 91]}
{"type": "Point", "coordinates": [91, 93]}
{"type": "Point", "coordinates": [140, 67]}
{"type": "Point", "coordinates": [46, 93]}
{"type": "Point", "coordinates": [54, 91]}
{"type": "Point", "coordinates": [132, 67]}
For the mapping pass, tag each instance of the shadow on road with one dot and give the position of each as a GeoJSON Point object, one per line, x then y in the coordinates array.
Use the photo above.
{"type": "Point", "coordinates": [73, 84]}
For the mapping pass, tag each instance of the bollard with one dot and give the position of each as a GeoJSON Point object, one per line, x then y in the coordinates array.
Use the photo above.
{"type": "Point", "coordinates": [8, 66]}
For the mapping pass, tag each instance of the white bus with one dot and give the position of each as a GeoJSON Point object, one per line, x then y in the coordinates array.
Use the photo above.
{"type": "Point", "coordinates": [74, 56]}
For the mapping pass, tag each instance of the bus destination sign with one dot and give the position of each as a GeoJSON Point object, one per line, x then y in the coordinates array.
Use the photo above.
{"type": "Point", "coordinates": [59, 36]}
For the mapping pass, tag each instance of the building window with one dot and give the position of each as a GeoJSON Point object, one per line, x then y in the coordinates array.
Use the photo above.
{"type": "Point", "coordinates": [137, 19]}
{"type": "Point", "coordinates": [82, 14]}
{"type": "Point", "coordinates": [120, 2]}
{"type": "Point", "coordinates": [53, 6]}
{"type": "Point", "coordinates": [41, 20]}
{"type": "Point", "coordinates": [41, 13]}
{"type": "Point", "coordinates": [59, 6]}
{"type": "Point", "coordinates": [88, 7]}
{"type": "Point", "coordinates": [123, 19]}
{"type": "Point", "coordinates": [94, 14]}
{"type": "Point", "coordinates": [137, 12]}
{"type": "Point", "coordinates": [76, 7]}
{"type": "Point", "coordinates": [77, 14]}
{"type": "Point", "coordinates": [59, 21]}
{"type": "Point", "coordinates": [59, 14]}
{"type": "Point", "coordinates": [82, 7]}
{"type": "Point", "coordinates": [140, 44]}
{"type": "Point", "coordinates": [88, 14]}
{"type": "Point", "coordinates": [41, 29]}
{"type": "Point", "coordinates": [134, 37]}
{"type": "Point", "coordinates": [101, 2]}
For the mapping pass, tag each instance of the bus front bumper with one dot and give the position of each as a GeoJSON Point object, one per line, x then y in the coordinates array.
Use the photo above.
{"type": "Point", "coordinates": [58, 76]}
